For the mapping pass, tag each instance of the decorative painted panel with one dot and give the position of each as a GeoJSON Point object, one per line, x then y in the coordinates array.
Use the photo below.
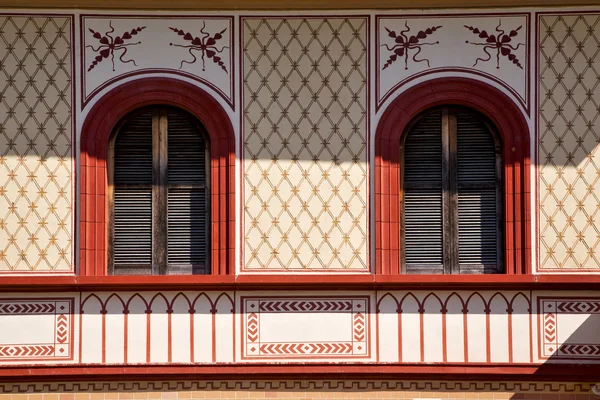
{"type": "Point", "coordinates": [157, 327]}
{"type": "Point", "coordinates": [444, 326]}
{"type": "Point", "coordinates": [305, 134]}
{"type": "Point", "coordinates": [347, 388]}
{"type": "Point", "coordinates": [568, 153]}
{"type": "Point", "coordinates": [568, 328]}
{"type": "Point", "coordinates": [36, 154]}
{"type": "Point", "coordinates": [116, 47]}
{"type": "Point", "coordinates": [36, 329]}
{"type": "Point", "coordinates": [493, 46]}
{"type": "Point", "coordinates": [287, 327]}
{"type": "Point", "coordinates": [402, 327]}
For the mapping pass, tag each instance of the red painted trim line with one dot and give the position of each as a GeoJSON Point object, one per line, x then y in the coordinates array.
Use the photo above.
{"type": "Point", "coordinates": [291, 282]}
{"type": "Point", "coordinates": [494, 372]}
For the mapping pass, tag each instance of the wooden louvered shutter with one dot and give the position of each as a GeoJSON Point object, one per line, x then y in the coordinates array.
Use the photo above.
{"type": "Point", "coordinates": [422, 192]}
{"type": "Point", "coordinates": [451, 195]}
{"type": "Point", "coordinates": [479, 207]}
{"type": "Point", "coordinates": [158, 195]}
{"type": "Point", "coordinates": [132, 197]}
{"type": "Point", "coordinates": [188, 197]}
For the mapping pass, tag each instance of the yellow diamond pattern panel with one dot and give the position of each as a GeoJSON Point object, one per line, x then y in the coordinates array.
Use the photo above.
{"type": "Point", "coordinates": [569, 147]}
{"type": "Point", "coordinates": [35, 144]}
{"type": "Point", "coordinates": [305, 143]}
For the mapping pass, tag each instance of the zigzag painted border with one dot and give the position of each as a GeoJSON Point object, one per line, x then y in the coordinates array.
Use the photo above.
{"type": "Point", "coordinates": [61, 348]}
{"type": "Point", "coordinates": [356, 306]}
{"type": "Point", "coordinates": [550, 309]}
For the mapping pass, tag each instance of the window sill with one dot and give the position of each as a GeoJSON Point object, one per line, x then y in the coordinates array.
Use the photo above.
{"type": "Point", "coordinates": [298, 282]}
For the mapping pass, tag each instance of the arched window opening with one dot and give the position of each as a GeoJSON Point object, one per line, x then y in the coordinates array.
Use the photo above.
{"type": "Point", "coordinates": [158, 187]}
{"type": "Point", "coordinates": [451, 194]}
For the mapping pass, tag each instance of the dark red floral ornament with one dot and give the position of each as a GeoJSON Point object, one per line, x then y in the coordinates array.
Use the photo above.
{"type": "Point", "coordinates": [404, 44]}
{"type": "Point", "coordinates": [206, 45]}
{"type": "Point", "coordinates": [109, 45]}
{"type": "Point", "coordinates": [499, 42]}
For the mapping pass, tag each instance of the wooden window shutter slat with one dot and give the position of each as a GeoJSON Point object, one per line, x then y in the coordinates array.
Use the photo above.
{"type": "Point", "coordinates": [188, 198]}
{"type": "Point", "coordinates": [422, 176]}
{"type": "Point", "coordinates": [478, 203]}
{"type": "Point", "coordinates": [132, 203]}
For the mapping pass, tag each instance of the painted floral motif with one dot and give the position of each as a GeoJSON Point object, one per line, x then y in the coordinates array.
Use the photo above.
{"type": "Point", "coordinates": [206, 45]}
{"type": "Point", "coordinates": [109, 45]}
{"type": "Point", "coordinates": [404, 44]}
{"type": "Point", "coordinates": [499, 42]}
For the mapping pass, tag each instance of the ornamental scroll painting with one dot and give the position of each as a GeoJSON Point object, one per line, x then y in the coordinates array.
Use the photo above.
{"type": "Point", "coordinates": [115, 47]}
{"type": "Point", "coordinates": [490, 46]}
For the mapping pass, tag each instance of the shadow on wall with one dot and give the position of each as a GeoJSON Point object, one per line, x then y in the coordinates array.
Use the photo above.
{"type": "Point", "coordinates": [569, 332]}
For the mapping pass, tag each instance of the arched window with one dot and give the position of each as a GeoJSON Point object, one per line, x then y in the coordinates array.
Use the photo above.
{"type": "Point", "coordinates": [451, 194]}
{"type": "Point", "coordinates": [158, 194]}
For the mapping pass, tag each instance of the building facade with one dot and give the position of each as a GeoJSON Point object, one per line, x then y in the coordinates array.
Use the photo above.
{"type": "Point", "coordinates": [251, 202]}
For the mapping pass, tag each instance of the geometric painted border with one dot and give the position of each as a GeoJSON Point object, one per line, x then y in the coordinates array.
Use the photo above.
{"type": "Point", "coordinates": [549, 310]}
{"type": "Point", "coordinates": [298, 384]}
{"type": "Point", "coordinates": [61, 348]}
{"type": "Point", "coordinates": [253, 307]}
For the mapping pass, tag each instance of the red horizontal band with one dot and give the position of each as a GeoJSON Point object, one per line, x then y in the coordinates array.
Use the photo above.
{"type": "Point", "coordinates": [47, 283]}
{"type": "Point", "coordinates": [498, 372]}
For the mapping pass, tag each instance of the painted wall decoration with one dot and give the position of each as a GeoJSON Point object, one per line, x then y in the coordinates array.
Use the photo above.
{"type": "Point", "coordinates": [36, 136]}
{"type": "Point", "coordinates": [157, 327]}
{"type": "Point", "coordinates": [305, 135]}
{"type": "Point", "coordinates": [36, 329]}
{"type": "Point", "coordinates": [568, 327]}
{"type": "Point", "coordinates": [569, 142]}
{"type": "Point", "coordinates": [400, 326]}
{"type": "Point", "coordinates": [444, 326]}
{"type": "Point", "coordinates": [305, 327]}
{"type": "Point", "coordinates": [494, 46]}
{"type": "Point", "coordinates": [108, 46]}
{"type": "Point", "coordinates": [115, 47]}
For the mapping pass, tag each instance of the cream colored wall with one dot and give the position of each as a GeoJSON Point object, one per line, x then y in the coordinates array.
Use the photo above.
{"type": "Point", "coordinates": [36, 144]}
{"type": "Point", "coordinates": [301, 206]}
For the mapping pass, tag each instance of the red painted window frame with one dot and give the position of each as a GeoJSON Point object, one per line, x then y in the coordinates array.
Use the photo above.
{"type": "Point", "coordinates": [99, 124]}
{"type": "Point", "coordinates": [514, 130]}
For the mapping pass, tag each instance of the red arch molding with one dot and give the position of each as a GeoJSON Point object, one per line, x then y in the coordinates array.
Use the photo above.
{"type": "Point", "coordinates": [97, 128]}
{"type": "Point", "coordinates": [513, 128]}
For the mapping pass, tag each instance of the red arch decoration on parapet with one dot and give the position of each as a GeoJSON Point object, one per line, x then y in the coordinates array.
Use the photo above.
{"type": "Point", "coordinates": [514, 130]}
{"type": "Point", "coordinates": [100, 122]}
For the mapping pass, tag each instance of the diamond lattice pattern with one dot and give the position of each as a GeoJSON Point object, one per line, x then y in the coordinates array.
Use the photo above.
{"type": "Point", "coordinates": [305, 133]}
{"type": "Point", "coordinates": [569, 146]}
{"type": "Point", "coordinates": [35, 144]}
